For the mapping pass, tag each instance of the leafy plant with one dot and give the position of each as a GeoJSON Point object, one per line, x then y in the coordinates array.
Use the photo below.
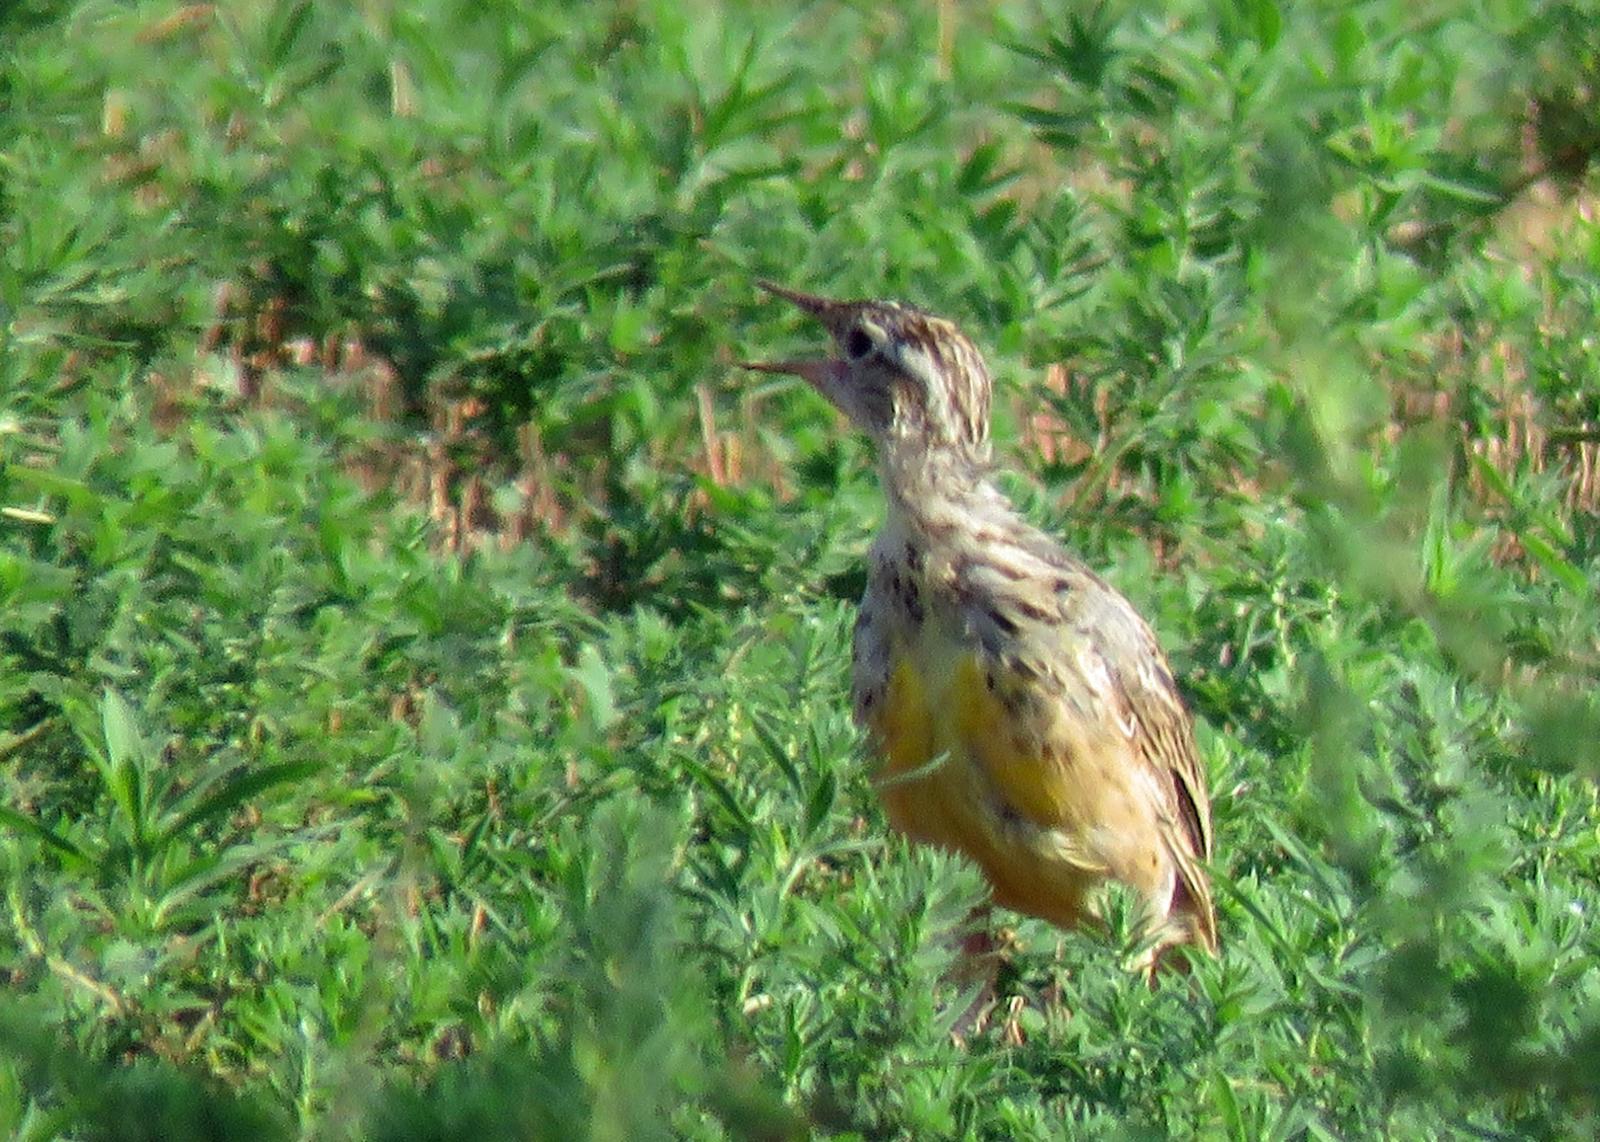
{"type": "Point", "coordinates": [423, 653]}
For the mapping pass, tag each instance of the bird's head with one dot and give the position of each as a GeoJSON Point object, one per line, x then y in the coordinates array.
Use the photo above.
{"type": "Point", "coordinates": [911, 381]}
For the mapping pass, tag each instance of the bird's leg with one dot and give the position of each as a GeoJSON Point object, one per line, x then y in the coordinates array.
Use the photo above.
{"type": "Point", "coordinates": [983, 952]}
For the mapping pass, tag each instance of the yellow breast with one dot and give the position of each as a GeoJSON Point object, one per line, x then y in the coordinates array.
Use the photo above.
{"type": "Point", "coordinates": [962, 772]}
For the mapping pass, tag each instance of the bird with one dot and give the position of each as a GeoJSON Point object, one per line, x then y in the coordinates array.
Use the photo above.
{"type": "Point", "coordinates": [1022, 711]}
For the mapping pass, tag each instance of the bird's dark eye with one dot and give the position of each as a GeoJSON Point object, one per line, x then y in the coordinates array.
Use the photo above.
{"type": "Point", "coordinates": [857, 344]}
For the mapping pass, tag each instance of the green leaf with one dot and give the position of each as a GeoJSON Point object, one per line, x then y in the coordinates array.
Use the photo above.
{"type": "Point", "coordinates": [719, 789]}
{"type": "Point", "coordinates": [23, 823]}
{"type": "Point", "coordinates": [124, 746]}
{"type": "Point", "coordinates": [760, 723]}
{"type": "Point", "coordinates": [1266, 21]}
{"type": "Point", "coordinates": [594, 676]}
{"type": "Point", "coordinates": [1558, 565]}
{"type": "Point", "coordinates": [250, 783]}
{"type": "Point", "coordinates": [51, 483]}
{"type": "Point", "coordinates": [126, 762]}
{"type": "Point", "coordinates": [823, 795]}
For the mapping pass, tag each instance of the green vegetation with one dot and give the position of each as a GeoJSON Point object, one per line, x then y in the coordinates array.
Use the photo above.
{"type": "Point", "coordinates": [423, 651]}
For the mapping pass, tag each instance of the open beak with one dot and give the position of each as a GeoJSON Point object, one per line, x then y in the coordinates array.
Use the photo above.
{"type": "Point", "coordinates": [816, 373]}
{"type": "Point", "coordinates": [819, 374]}
{"type": "Point", "coordinates": [818, 307]}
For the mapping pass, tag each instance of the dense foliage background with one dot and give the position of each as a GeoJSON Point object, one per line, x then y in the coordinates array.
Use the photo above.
{"type": "Point", "coordinates": [423, 651]}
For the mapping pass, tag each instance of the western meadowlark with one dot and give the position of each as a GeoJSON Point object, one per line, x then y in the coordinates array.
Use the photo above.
{"type": "Point", "coordinates": [1024, 712]}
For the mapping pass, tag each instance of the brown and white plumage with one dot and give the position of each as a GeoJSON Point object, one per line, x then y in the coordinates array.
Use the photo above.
{"type": "Point", "coordinates": [1025, 713]}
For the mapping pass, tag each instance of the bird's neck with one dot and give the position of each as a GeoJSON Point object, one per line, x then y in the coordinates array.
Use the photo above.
{"type": "Point", "coordinates": [938, 492]}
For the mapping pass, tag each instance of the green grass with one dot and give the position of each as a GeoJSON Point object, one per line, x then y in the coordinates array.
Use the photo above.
{"type": "Point", "coordinates": [423, 653]}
